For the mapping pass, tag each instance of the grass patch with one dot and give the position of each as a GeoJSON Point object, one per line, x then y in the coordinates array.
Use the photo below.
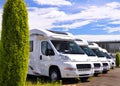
{"type": "Point", "coordinates": [42, 82]}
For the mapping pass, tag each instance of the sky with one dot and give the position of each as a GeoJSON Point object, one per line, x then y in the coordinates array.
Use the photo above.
{"type": "Point", "coordinates": [92, 20]}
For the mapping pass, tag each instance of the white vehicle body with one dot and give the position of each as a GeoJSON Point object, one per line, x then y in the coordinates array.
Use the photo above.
{"type": "Point", "coordinates": [109, 58]}
{"type": "Point", "coordinates": [102, 58]}
{"type": "Point", "coordinates": [47, 59]}
{"type": "Point", "coordinates": [97, 64]}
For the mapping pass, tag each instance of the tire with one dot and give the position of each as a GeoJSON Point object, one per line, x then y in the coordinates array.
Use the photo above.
{"type": "Point", "coordinates": [84, 79]}
{"type": "Point", "coordinates": [105, 72]}
{"type": "Point", "coordinates": [96, 74]}
{"type": "Point", "coordinates": [54, 75]}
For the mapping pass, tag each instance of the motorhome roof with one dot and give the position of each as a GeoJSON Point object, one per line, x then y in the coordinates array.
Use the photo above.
{"type": "Point", "coordinates": [93, 45]}
{"type": "Point", "coordinates": [51, 34]}
{"type": "Point", "coordinates": [81, 42]}
{"type": "Point", "coordinates": [78, 39]}
{"type": "Point", "coordinates": [57, 32]}
{"type": "Point", "coordinates": [102, 49]}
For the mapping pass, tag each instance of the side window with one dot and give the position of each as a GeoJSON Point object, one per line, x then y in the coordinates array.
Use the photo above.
{"type": "Point", "coordinates": [46, 48]}
{"type": "Point", "coordinates": [31, 46]}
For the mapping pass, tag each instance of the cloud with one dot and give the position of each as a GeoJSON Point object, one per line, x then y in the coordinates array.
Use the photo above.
{"type": "Point", "coordinates": [108, 11]}
{"type": "Point", "coordinates": [46, 17]}
{"type": "Point", "coordinates": [74, 25]}
{"type": "Point", "coordinates": [99, 37]}
{"type": "Point", "coordinates": [54, 17]}
{"type": "Point", "coordinates": [112, 29]}
{"type": "Point", "coordinates": [53, 2]}
{"type": "Point", "coordinates": [115, 22]}
{"type": "Point", "coordinates": [113, 5]}
{"type": "Point", "coordinates": [43, 17]}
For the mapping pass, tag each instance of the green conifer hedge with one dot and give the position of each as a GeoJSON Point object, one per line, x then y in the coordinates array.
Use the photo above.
{"type": "Point", "coordinates": [15, 44]}
{"type": "Point", "coordinates": [117, 59]}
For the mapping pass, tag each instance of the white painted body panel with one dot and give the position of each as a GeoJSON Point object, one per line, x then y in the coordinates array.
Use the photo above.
{"type": "Point", "coordinates": [102, 59]}
{"type": "Point", "coordinates": [40, 64]}
{"type": "Point", "coordinates": [93, 59]}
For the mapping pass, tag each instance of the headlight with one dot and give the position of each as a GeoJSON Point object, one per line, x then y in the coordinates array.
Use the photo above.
{"type": "Point", "coordinates": [63, 57]}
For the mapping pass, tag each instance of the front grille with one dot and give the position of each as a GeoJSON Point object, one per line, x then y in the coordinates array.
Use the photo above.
{"type": "Point", "coordinates": [105, 64]}
{"type": "Point", "coordinates": [96, 65]}
{"type": "Point", "coordinates": [83, 67]}
{"type": "Point", "coordinates": [84, 75]}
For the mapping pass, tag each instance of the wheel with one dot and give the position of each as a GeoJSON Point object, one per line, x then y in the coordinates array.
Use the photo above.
{"type": "Point", "coordinates": [112, 68]}
{"type": "Point", "coordinates": [105, 72]}
{"type": "Point", "coordinates": [55, 75]}
{"type": "Point", "coordinates": [84, 79]}
{"type": "Point", "coordinates": [96, 74]}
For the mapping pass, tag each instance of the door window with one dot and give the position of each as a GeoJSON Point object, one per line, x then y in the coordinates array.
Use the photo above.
{"type": "Point", "coordinates": [46, 48]}
{"type": "Point", "coordinates": [31, 46]}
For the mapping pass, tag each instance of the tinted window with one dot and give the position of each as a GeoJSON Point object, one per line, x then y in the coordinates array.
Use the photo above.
{"type": "Point", "coordinates": [45, 46]}
{"type": "Point", "coordinates": [98, 52]}
{"type": "Point", "coordinates": [31, 46]}
{"type": "Point", "coordinates": [88, 51]}
{"type": "Point", "coordinates": [68, 47]}
{"type": "Point", "coordinates": [107, 56]}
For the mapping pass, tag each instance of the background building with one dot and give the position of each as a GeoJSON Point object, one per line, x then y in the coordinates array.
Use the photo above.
{"type": "Point", "coordinates": [110, 46]}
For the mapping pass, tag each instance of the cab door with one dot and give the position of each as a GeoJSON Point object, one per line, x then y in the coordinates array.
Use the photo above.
{"type": "Point", "coordinates": [46, 56]}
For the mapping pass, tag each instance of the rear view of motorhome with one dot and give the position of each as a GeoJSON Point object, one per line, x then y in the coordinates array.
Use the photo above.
{"type": "Point", "coordinates": [97, 64]}
{"type": "Point", "coordinates": [56, 55]}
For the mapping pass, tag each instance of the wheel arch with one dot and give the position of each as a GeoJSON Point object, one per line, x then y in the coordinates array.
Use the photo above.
{"type": "Point", "coordinates": [54, 67]}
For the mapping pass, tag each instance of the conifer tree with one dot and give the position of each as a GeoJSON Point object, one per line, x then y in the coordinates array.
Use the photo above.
{"type": "Point", "coordinates": [15, 44]}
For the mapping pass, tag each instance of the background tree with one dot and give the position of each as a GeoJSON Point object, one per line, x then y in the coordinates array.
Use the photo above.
{"type": "Point", "coordinates": [15, 44]}
{"type": "Point", "coordinates": [117, 55]}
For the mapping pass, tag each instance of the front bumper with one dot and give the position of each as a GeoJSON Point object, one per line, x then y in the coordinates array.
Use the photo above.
{"type": "Point", "coordinates": [74, 70]}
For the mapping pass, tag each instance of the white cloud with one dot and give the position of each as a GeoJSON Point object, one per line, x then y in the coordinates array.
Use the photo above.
{"type": "Point", "coordinates": [101, 12]}
{"type": "Point", "coordinates": [115, 22]}
{"type": "Point", "coordinates": [46, 17]}
{"type": "Point", "coordinates": [75, 24]}
{"type": "Point", "coordinates": [112, 29]}
{"type": "Point", "coordinates": [99, 37]}
{"type": "Point", "coordinates": [53, 2]}
{"type": "Point", "coordinates": [113, 5]}
{"type": "Point", "coordinates": [43, 18]}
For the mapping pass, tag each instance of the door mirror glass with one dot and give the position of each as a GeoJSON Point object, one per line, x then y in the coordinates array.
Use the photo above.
{"type": "Point", "coordinates": [49, 52]}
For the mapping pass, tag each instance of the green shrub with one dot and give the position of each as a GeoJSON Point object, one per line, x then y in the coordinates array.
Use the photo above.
{"type": "Point", "coordinates": [14, 43]}
{"type": "Point", "coordinates": [117, 59]}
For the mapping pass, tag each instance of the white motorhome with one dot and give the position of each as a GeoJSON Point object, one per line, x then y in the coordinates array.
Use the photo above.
{"type": "Point", "coordinates": [109, 57]}
{"type": "Point", "coordinates": [56, 55]}
{"type": "Point", "coordinates": [97, 64]}
{"type": "Point", "coordinates": [100, 54]}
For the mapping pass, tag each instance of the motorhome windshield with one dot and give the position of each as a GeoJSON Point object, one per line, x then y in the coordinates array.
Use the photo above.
{"type": "Point", "coordinates": [67, 47]}
{"type": "Point", "coordinates": [107, 56]}
{"type": "Point", "coordinates": [88, 51]}
{"type": "Point", "coordinates": [98, 53]}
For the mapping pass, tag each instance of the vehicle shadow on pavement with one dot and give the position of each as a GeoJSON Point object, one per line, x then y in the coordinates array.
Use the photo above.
{"type": "Point", "coordinates": [43, 79]}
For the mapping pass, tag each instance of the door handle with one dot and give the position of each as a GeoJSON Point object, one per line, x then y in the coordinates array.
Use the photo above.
{"type": "Point", "coordinates": [40, 57]}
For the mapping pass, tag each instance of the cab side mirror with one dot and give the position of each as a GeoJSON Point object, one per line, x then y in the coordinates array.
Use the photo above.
{"type": "Point", "coordinates": [49, 52]}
